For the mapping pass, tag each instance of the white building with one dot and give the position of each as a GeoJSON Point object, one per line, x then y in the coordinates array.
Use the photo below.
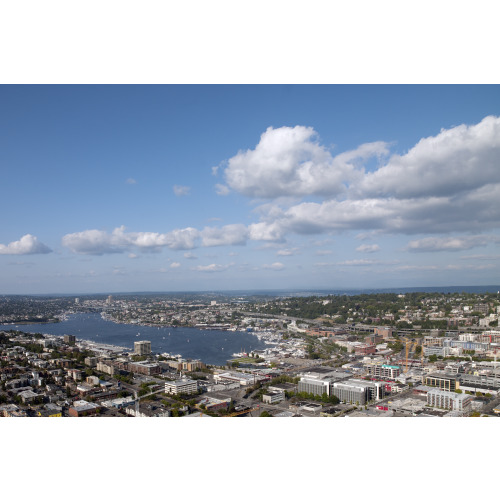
{"type": "Point", "coordinates": [273, 397]}
{"type": "Point", "coordinates": [449, 400]}
{"type": "Point", "coordinates": [182, 386]}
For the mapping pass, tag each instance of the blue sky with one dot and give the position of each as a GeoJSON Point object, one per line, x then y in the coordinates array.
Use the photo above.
{"type": "Point", "coordinates": [111, 188]}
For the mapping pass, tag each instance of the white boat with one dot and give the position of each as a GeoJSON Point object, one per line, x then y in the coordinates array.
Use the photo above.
{"type": "Point", "coordinates": [241, 354]}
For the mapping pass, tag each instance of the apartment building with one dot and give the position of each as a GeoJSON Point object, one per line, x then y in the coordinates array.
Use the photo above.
{"type": "Point", "coordinates": [449, 400]}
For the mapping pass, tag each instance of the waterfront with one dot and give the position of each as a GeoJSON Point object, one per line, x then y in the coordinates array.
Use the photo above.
{"type": "Point", "coordinates": [213, 347]}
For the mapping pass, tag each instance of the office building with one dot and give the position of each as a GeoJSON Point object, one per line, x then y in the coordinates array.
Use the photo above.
{"type": "Point", "coordinates": [182, 386]}
{"type": "Point", "coordinates": [358, 391]}
{"type": "Point", "coordinates": [314, 386]}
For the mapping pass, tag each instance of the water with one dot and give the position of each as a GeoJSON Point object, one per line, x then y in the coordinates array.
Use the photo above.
{"type": "Point", "coordinates": [213, 347]}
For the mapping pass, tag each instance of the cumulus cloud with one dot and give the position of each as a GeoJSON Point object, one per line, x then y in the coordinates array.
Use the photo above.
{"type": "Point", "coordinates": [459, 159]}
{"type": "Point", "coordinates": [175, 265]}
{"type": "Point", "coordinates": [275, 266]}
{"type": "Point", "coordinates": [212, 268]}
{"type": "Point", "coordinates": [286, 252]}
{"type": "Point", "coordinates": [97, 242]}
{"type": "Point", "coordinates": [454, 244]}
{"type": "Point", "coordinates": [361, 262]}
{"type": "Point", "coordinates": [181, 190]}
{"type": "Point", "coordinates": [27, 245]}
{"type": "Point", "coordinates": [368, 248]}
{"type": "Point", "coordinates": [472, 212]}
{"type": "Point", "coordinates": [446, 183]}
{"type": "Point", "coordinates": [232, 234]}
{"type": "Point", "coordinates": [93, 242]}
{"type": "Point", "coordinates": [189, 255]}
{"type": "Point", "coordinates": [264, 231]}
{"type": "Point", "coordinates": [289, 161]}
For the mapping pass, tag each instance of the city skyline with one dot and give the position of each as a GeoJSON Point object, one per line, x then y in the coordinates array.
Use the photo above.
{"type": "Point", "coordinates": [198, 187]}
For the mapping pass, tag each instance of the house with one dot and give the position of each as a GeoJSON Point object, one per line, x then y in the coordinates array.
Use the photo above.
{"type": "Point", "coordinates": [29, 396]}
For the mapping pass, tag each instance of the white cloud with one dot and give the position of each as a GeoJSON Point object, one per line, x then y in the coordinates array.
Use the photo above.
{"type": "Point", "coordinates": [93, 242]}
{"type": "Point", "coordinates": [324, 252]}
{"type": "Point", "coordinates": [97, 242]}
{"type": "Point", "coordinates": [449, 183]}
{"type": "Point", "coordinates": [131, 181]}
{"type": "Point", "coordinates": [288, 161]}
{"type": "Point", "coordinates": [189, 255]}
{"type": "Point", "coordinates": [287, 252]}
{"type": "Point", "coordinates": [221, 189]}
{"type": "Point", "coordinates": [361, 262]}
{"type": "Point", "coordinates": [275, 266]}
{"type": "Point", "coordinates": [459, 159]}
{"type": "Point", "coordinates": [175, 265]}
{"type": "Point", "coordinates": [212, 268]}
{"type": "Point", "coordinates": [232, 234]}
{"type": "Point", "coordinates": [480, 257]}
{"type": "Point", "coordinates": [132, 256]}
{"type": "Point", "coordinates": [264, 231]}
{"type": "Point", "coordinates": [27, 245]}
{"type": "Point", "coordinates": [368, 248]}
{"type": "Point", "coordinates": [446, 183]}
{"type": "Point", "coordinates": [416, 268]}
{"type": "Point", "coordinates": [454, 244]}
{"type": "Point", "coordinates": [215, 170]}
{"type": "Point", "coordinates": [181, 190]}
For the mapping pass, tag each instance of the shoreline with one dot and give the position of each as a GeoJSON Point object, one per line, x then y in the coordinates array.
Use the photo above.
{"type": "Point", "coordinates": [99, 345]}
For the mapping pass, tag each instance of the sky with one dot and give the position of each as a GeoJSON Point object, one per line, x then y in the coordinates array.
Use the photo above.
{"type": "Point", "coordinates": [121, 188]}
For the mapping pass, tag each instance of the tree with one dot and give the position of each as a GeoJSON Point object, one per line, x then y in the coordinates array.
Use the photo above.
{"type": "Point", "coordinates": [265, 414]}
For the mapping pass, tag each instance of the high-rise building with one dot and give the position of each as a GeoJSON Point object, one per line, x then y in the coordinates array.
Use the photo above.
{"type": "Point", "coordinates": [109, 300]}
{"type": "Point", "coordinates": [142, 348]}
{"type": "Point", "coordinates": [69, 339]}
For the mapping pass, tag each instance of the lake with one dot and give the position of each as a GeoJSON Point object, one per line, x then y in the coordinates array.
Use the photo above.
{"type": "Point", "coordinates": [213, 347]}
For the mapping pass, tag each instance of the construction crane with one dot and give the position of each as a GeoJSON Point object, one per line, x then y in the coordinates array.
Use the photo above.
{"type": "Point", "coordinates": [408, 344]}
